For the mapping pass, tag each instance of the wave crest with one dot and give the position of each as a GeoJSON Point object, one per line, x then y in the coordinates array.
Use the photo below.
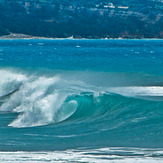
{"type": "Point", "coordinates": [43, 100]}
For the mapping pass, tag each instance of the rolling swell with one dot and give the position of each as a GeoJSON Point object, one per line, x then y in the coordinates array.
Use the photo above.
{"type": "Point", "coordinates": [67, 100]}
{"type": "Point", "coordinates": [112, 112]}
{"type": "Point", "coordinates": [65, 110]}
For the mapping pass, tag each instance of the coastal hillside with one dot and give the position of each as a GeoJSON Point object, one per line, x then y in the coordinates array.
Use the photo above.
{"type": "Point", "coordinates": [82, 19]}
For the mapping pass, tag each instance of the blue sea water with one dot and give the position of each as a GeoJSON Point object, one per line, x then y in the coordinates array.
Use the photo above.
{"type": "Point", "coordinates": [81, 100]}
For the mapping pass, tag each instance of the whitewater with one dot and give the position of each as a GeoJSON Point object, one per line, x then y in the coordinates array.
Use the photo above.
{"type": "Point", "coordinates": [81, 100]}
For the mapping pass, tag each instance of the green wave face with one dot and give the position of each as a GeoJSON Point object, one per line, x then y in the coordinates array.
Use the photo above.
{"type": "Point", "coordinates": [113, 108]}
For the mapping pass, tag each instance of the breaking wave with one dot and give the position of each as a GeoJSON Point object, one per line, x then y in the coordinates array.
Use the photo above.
{"type": "Point", "coordinates": [43, 100]}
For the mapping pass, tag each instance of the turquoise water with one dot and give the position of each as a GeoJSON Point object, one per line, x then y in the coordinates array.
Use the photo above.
{"type": "Point", "coordinates": [81, 97]}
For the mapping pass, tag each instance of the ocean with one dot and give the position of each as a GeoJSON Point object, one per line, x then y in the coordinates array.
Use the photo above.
{"type": "Point", "coordinates": [71, 100]}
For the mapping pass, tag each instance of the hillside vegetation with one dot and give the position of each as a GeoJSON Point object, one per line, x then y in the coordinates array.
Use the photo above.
{"type": "Point", "coordinates": [82, 19]}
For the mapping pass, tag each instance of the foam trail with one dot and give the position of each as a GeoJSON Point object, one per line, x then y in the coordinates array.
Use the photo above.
{"type": "Point", "coordinates": [143, 92]}
{"type": "Point", "coordinates": [138, 90]}
{"type": "Point", "coordinates": [103, 155]}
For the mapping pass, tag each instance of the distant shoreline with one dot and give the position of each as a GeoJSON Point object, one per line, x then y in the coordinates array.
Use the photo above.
{"type": "Point", "coordinates": [21, 36]}
{"type": "Point", "coordinates": [16, 36]}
